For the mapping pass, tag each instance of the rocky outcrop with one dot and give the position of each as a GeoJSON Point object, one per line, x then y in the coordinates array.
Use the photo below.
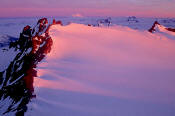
{"type": "Point", "coordinates": [132, 19]}
{"type": "Point", "coordinates": [155, 24]}
{"type": "Point", "coordinates": [104, 22]}
{"type": "Point", "coordinates": [16, 82]}
{"type": "Point", "coordinates": [171, 29]}
{"type": "Point", "coordinates": [152, 29]}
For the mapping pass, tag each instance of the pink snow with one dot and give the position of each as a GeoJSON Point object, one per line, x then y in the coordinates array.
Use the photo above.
{"type": "Point", "coordinates": [116, 62]}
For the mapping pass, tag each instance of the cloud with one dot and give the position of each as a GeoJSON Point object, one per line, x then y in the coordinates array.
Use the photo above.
{"type": "Point", "coordinates": [77, 15]}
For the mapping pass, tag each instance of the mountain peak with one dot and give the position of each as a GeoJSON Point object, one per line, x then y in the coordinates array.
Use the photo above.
{"type": "Point", "coordinates": [158, 27]}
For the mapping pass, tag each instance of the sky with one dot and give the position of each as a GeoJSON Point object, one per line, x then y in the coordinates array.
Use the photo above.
{"type": "Point", "coordinates": [141, 8]}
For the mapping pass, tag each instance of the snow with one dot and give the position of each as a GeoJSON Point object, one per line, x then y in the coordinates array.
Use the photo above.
{"type": "Point", "coordinates": [4, 105]}
{"type": "Point", "coordinates": [6, 57]}
{"type": "Point", "coordinates": [14, 26]}
{"type": "Point", "coordinates": [100, 71]}
{"type": "Point", "coordinates": [160, 29]}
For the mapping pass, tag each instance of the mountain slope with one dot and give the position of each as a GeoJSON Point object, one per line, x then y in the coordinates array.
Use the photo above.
{"type": "Point", "coordinates": [101, 71]}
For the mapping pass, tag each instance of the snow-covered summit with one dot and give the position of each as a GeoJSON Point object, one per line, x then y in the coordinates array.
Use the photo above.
{"type": "Point", "coordinates": [158, 28]}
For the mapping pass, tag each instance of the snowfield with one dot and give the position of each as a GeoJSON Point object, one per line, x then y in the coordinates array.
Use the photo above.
{"type": "Point", "coordinates": [106, 71]}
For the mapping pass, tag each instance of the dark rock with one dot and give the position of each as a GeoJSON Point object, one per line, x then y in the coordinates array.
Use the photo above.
{"type": "Point", "coordinates": [104, 22]}
{"type": "Point", "coordinates": [132, 19]}
{"type": "Point", "coordinates": [16, 82]}
{"type": "Point", "coordinates": [152, 29]}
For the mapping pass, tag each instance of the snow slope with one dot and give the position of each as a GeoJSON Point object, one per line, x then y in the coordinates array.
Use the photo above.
{"type": "Point", "coordinates": [99, 71]}
{"type": "Point", "coordinates": [7, 55]}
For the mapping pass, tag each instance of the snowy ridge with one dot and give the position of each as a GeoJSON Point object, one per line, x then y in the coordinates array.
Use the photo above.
{"type": "Point", "coordinates": [91, 70]}
{"type": "Point", "coordinates": [101, 71]}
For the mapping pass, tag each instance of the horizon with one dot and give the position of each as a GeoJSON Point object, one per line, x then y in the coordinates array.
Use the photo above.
{"type": "Point", "coordinates": [91, 8]}
{"type": "Point", "coordinates": [85, 17]}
